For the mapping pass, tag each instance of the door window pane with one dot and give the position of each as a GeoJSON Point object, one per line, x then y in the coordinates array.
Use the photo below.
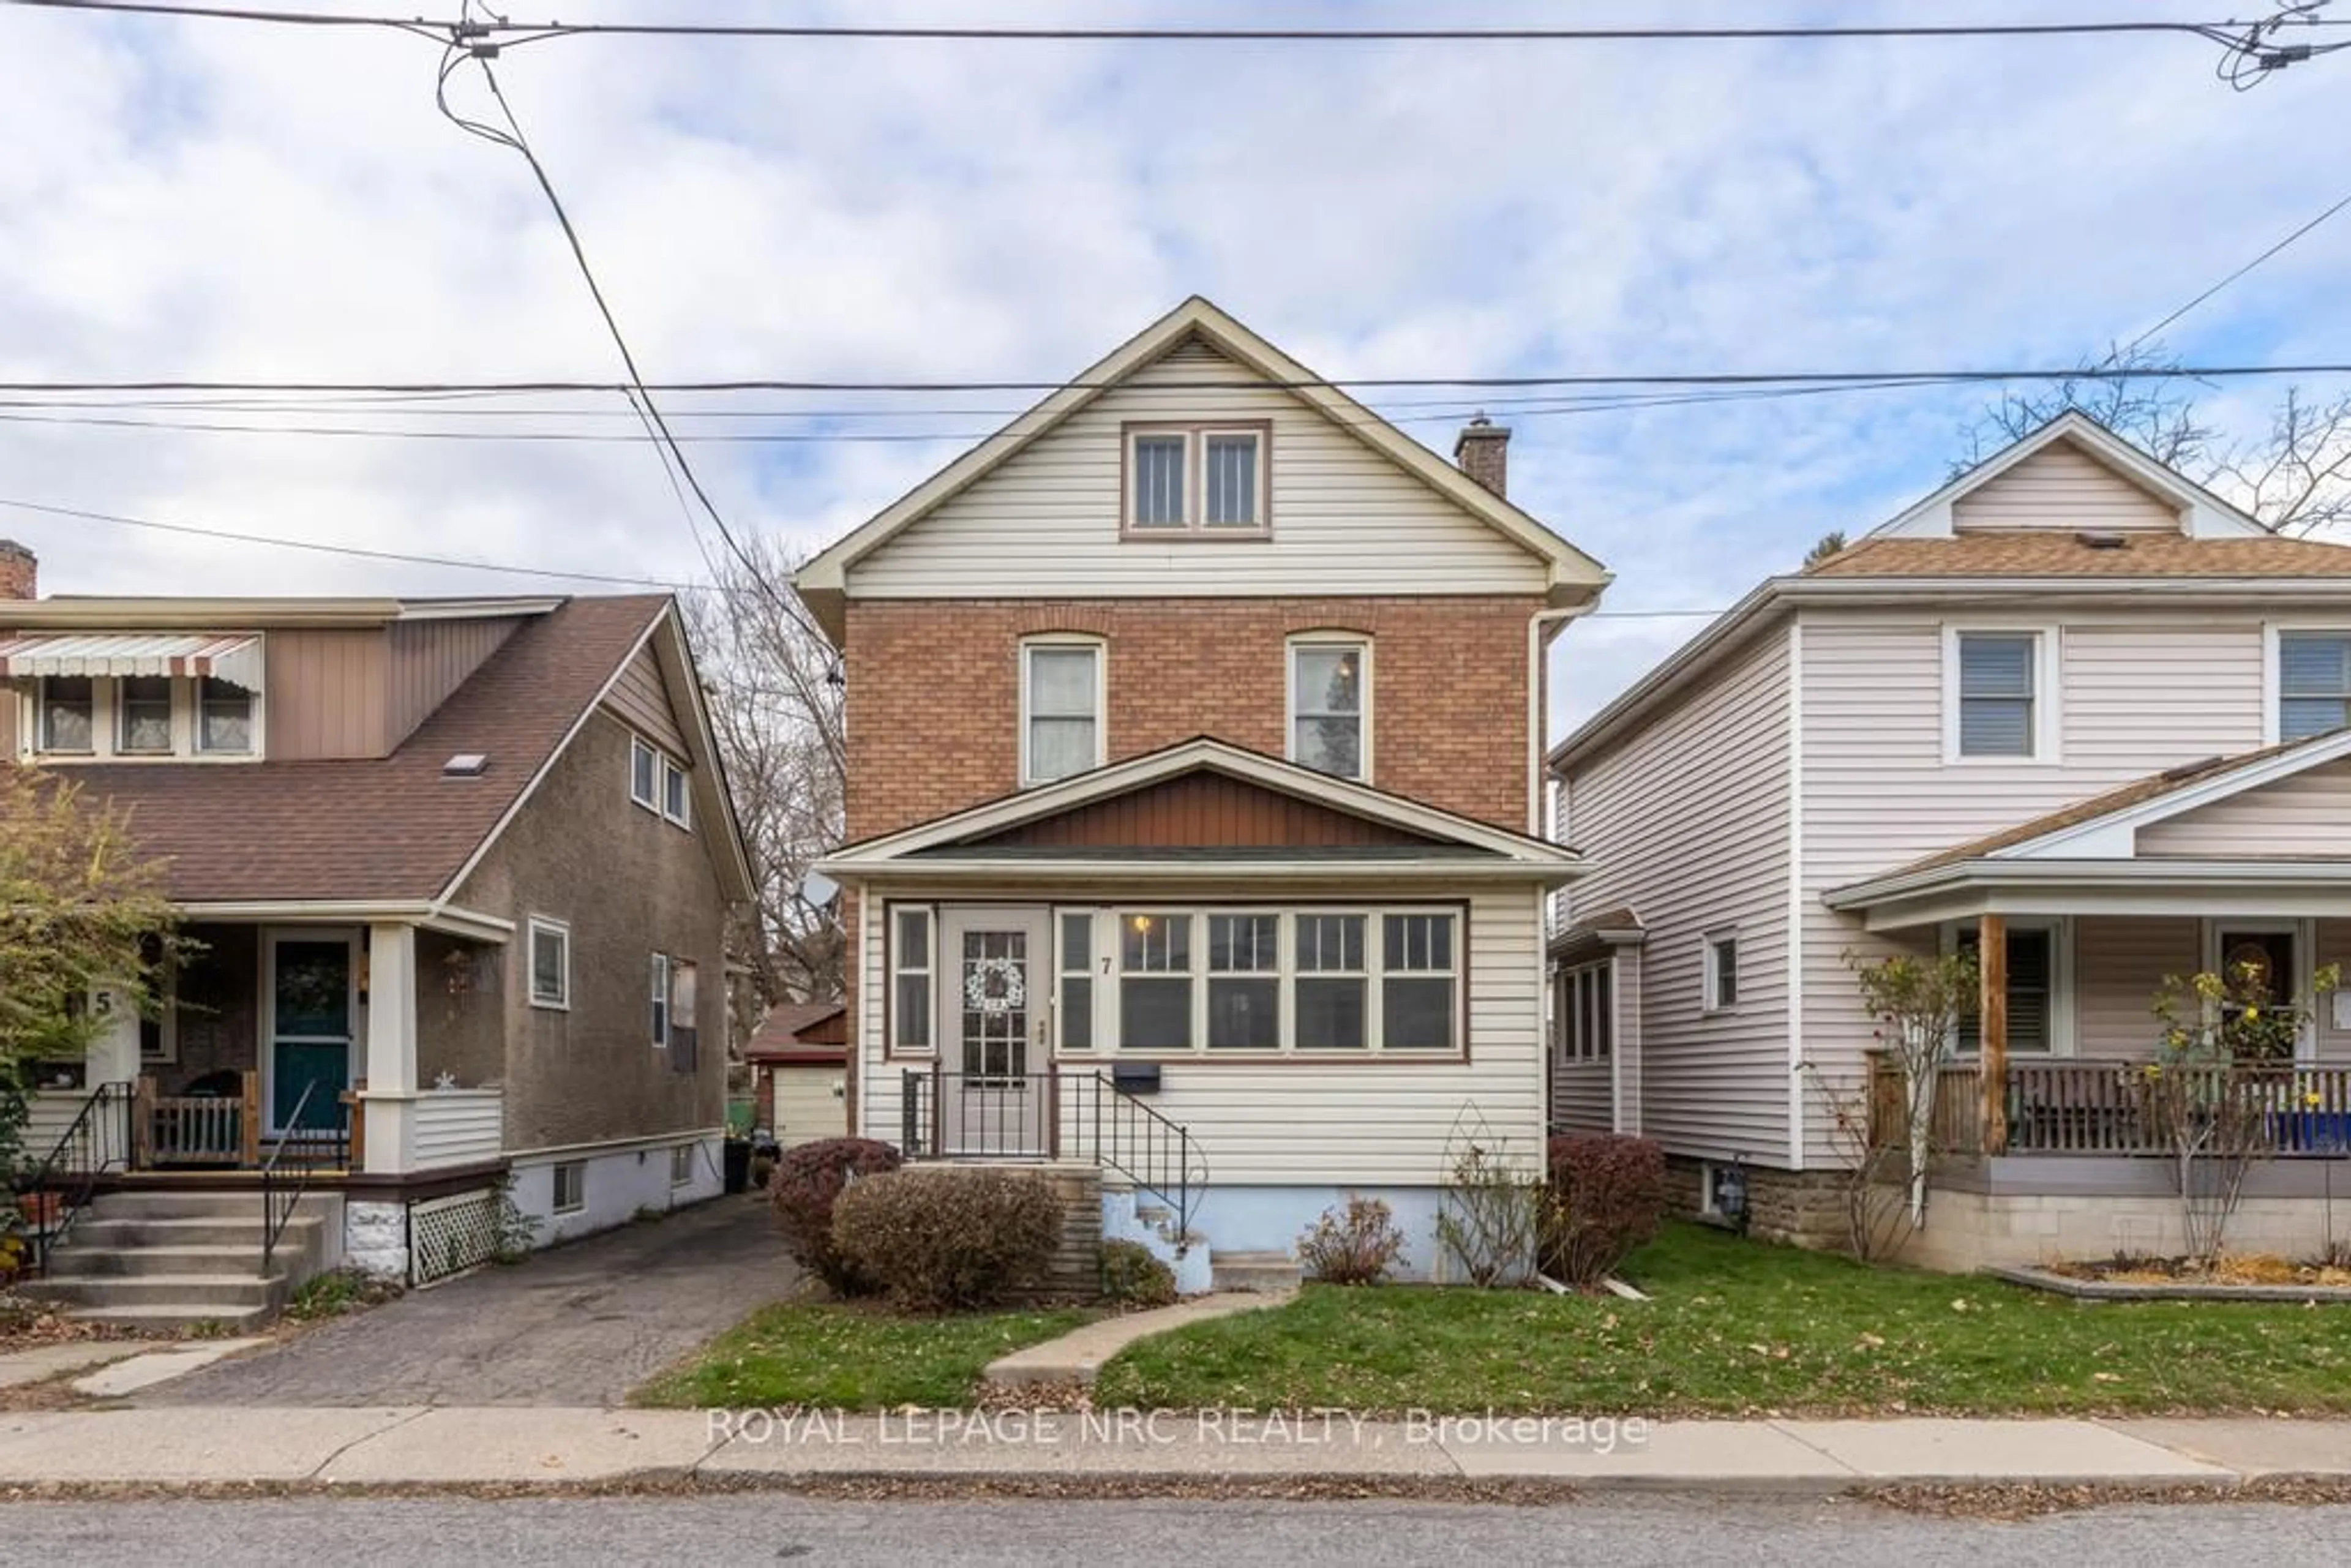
{"type": "Point", "coordinates": [313, 991]}
{"type": "Point", "coordinates": [995, 998]}
{"type": "Point", "coordinates": [144, 710]}
{"type": "Point", "coordinates": [1158, 463]}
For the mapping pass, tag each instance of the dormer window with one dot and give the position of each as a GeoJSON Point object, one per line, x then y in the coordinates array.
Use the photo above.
{"type": "Point", "coordinates": [142, 716]}
{"type": "Point", "coordinates": [224, 717]}
{"type": "Point", "coordinates": [1197, 481]}
{"type": "Point", "coordinates": [135, 697]}
{"type": "Point", "coordinates": [69, 714]}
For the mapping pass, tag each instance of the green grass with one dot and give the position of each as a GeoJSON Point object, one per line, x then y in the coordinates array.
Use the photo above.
{"type": "Point", "coordinates": [852, 1357]}
{"type": "Point", "coordinates": [1738, 1327]}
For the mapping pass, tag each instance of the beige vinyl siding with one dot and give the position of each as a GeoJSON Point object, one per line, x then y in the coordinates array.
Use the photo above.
{"type": "Point", "coordinates": [2307, 815]}
{"type": "Point", "coordinates": [641, 699]}
{"type": "Point", "coordinates": [327, 694]}
{"type": "Point", "coordinates": [2061, 487]}
{"type": "Point", "coordinates": [1687, 822]}
{"type": "Point", "coordinates": [48, 1116]}
{"type": "Point", "coordinates": [1345, 520]}
{"type": "Point", "coordinates": [2118, 963]}
{"type": "Point", "coordinates": [430, 660]}
{"type": "Point", "coordinates": [1377, 1123]}
{"type": "Point", "coordinates": [1582, 1098]}
{"type": "Point", "coordinates": [2138, 694]}
{"type": "Point", "coordinates": [807, 1108]}
{"type": "Point", "coordinates": [458, 1127]}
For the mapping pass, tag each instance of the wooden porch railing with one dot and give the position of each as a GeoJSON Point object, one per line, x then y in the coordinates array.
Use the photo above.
{"type": "Point", "coordinates": [2108, 1107]}
{"type": "Point", "coordinates": [222, 1130]}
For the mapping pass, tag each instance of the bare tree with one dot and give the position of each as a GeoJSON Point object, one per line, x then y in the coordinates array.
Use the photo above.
{"type": "Point", "coordinates": [2296, 477]}
{"type": "Point", "coordinates": [775, 705]}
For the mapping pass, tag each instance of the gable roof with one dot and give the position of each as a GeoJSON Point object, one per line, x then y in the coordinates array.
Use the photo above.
{"type": "Point", "coordinates": [779, 1036]}
{"type": "Point", "coordinates": [823, 582]}
{"type": "Point", "coordinates": [2203, 515]}
{"type": "Point", "coordinates": [389, 830]}
{"type": "Point", "coordinates": [1426, 837]}
{"type": "Point", "coordinates": [2053, 554]}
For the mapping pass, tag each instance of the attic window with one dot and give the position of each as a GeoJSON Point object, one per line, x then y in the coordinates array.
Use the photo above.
{"type": "Point", "coordinates": [1195, 481]}
{"type": "Point", "coordinates": [466, 765]}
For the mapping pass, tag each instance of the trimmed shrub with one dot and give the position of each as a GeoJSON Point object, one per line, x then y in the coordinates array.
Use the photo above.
{"type": "Point", "coordinates": [1356, 1244]}
{"type": "Point", "coordinates": [1133, 1276]}
{"type": "Point", "coordinates": [1607, 1199]}
{"type": "Point", "coordinates": [943, 1239]}
{"type": "Point", "coordinates": [803, 1187]}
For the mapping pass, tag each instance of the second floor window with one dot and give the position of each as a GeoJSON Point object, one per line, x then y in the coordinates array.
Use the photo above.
{"type": "Point", "coordinates": [1330, 685]}
{"type": "Point", "coordinates": [1999, 694]}
{"type": "Point", "coordinates": [2314, 682]}
{"type": "Point", "coordinates": [223, 717]}
{"type": "Point", "coordinates": [143, 716]}
{"type": "Point", "coordinates": [68, 714]}
{"type": "Point", "coordinates": [1061, 710]}
{"type": "Point", "coordinates": [1201, 480]}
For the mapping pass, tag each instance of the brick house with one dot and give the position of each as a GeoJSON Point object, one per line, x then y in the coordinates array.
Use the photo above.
{"type": "Point", "coordinates": [1193, 787]}
{"type": "Point", "coordinates": [454, 871]}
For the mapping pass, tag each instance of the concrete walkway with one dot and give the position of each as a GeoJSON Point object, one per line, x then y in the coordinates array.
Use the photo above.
{"type": "Point", "coordinates": [1078, 1355]}
{"type": "Point", "coordinates": [574, 1326]}
{"type": "Point", "coordinates": [410, 1446]}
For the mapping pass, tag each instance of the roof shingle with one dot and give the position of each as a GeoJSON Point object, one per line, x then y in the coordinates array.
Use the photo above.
{"type": "Point", "coordinates": [2022, 553]}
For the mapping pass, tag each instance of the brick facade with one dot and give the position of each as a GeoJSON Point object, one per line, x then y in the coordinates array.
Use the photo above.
{"type": "Point", "coordinates": [934, 699]}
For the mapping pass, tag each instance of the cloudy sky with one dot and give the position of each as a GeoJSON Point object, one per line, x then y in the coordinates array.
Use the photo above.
{"type": "Point", "coordinates": [185, 199]}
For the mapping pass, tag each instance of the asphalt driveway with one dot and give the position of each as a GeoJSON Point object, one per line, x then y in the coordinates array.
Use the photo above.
{"type": "Point", "coordinates": [581, 1324]}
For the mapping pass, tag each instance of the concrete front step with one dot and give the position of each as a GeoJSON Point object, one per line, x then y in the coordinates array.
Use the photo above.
{"type": "Point", "coordinates": [1268, 1272]}
{"type": "Point", "coordinates": [84, 1260]}
{"type": "Point", "coordinates": [98, 1229]}
{"type": "Point", "coordinates": [252, 1289]}
{"type": "Point", "coordinates": [171, 1315]}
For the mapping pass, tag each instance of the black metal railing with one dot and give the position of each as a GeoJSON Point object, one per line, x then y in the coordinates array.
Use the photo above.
{"type": "Point", "coordinates": [1053, 1113]}
{"type": "Point", "coordinates": [98, 1140]}
{"type": "Point", "coordinates": [281, 1191]}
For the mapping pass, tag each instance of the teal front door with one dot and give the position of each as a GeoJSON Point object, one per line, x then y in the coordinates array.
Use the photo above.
{"type": "Point", "coordinates": [311, 1029]}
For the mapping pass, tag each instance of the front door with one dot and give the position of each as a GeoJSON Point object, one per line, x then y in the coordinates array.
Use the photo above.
{"type": "Point", "coordinates": [313, 1023]}
{"type": "Point", "coordinates": [996, 1095]}
{"type": "Point", "coordinates": [2259, 966]}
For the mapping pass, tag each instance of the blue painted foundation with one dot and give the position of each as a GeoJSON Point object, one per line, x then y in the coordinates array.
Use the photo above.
{"type": "Point", "coordinates": [1271, 1218]}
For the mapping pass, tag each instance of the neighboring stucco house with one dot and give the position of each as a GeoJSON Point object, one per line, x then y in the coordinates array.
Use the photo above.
{"type": "Point", "coordinates": [2070, 708]}
{"type": "Point", "coordinates": [458, 871]}
{"type": "Point", "coordinates": [800, 1062]}
{"type": "Point", "coordinates": [1193, 792]}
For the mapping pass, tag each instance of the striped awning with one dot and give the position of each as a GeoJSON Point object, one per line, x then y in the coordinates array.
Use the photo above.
{"type": "Point", "coordinates": [234, 656]}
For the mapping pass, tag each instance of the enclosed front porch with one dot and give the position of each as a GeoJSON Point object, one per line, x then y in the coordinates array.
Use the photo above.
{"type": "Point", "coordinates": [332, 1049]}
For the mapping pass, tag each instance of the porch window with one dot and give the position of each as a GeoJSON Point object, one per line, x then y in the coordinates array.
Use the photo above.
{"type": "Point", "coordinates": [68, 714]}
{"type": "Point", "coordinates": [1330, 690]}
{"type": "Point", "coordinates": [2314, 682]}
{"type": "Point", "coordinates": [1060, 705]}
{"type": "Point", "coordinates": [1998, 694]}
{"type": "Point", "coordinates": [1074, 1003]}
{"type": "Point", "coordinates": [910, 980]}
{"type": "Point", "coordinates": [550, 964]}
{"type": "Point", "coordinates": [660, 1001]}
{"type": "Point", "coordinates": [1585, 1014]}
{"type": "Point", "coordinates": [223, 717]}
{"type": "Point", "coordinates": [142, 716]}
{"type": "Point", "coordinates": [1154, 991]}
{"type": "Point", "coordinates": [2031, 968]}
{"type": "Point", "coordinates": [1334, 981]}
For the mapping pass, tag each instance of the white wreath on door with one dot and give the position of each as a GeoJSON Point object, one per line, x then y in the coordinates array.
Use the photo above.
{"type": "Point", "coordinates": [994, 986]}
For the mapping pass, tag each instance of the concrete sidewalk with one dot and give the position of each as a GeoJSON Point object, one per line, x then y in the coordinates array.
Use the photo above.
{"type": "Point", "coordinates": [451, 1445]}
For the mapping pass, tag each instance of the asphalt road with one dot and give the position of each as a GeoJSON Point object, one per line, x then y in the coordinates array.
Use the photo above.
{"type": "Point", "coordinates": [318, 1532]}
{"type": "Point", "coordinates": [581, 1324]}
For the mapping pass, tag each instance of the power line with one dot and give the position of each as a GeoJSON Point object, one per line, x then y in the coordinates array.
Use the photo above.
{"type": "Point", "coordinates": [508, 32]}
{"type": "Point", "coordinates": [2192, 304]}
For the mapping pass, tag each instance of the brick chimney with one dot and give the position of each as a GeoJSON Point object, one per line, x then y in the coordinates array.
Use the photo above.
{"type": "Point", "coordinates": [1483, 453]}
{"type": "Point", "coordinates": [20, 571]}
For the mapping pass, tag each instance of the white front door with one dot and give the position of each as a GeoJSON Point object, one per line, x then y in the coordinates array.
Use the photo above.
{"type": "Point", "coordinates": [996, 1094]}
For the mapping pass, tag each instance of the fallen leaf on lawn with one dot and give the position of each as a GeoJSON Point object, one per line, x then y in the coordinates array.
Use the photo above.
{"type": "Point", "coordinates": [1872, 1342]}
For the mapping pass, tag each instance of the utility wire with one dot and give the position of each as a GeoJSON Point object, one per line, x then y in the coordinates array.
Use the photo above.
{"type": "Point", "coordinates": [2192, 304]}
{"type": "Point", "coordinates": [510, 33]}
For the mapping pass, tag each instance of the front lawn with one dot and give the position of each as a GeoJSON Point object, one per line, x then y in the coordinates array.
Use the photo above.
{"type": "Point", "coordinates": [1741, 1328]}
{"type": "Point", "coordinates": [853, 1358]}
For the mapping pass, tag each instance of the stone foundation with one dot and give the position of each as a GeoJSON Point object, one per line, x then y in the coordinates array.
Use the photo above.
{"type": "Point", "coordinates": [375, 1239]}
{"type": "Point", "coordinates": [1803, 1208]}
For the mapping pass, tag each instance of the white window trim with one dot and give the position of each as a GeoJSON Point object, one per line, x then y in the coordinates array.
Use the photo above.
{"type": "Point", "coordinates": [673, 768]}
{"type": "Point", "coordinates": [1194, 437]}
{"type": "Point", "coordinates": [1710, 973]}
{"type": "Point", "coordinates": [555, 1186]}
{"type": "Point", "coordinates": [1368, 683]}
{"type": "Point", "coordinates": [2063, 1038]}
{"type": "Point", "coordinates": [1097, 969]}
{"type": "Point", "coordinates": [639, 747]}
{"type": "Point", "coordinates": [1063, 640]}
{"type": "Point", "coordinates": [2047, 725]}
{"type": "Point", "coordinates": [2273, 674]}
{"type": "Point", "coordinates": [681, 1165]}
{"type": "Point", "coordinates": [534, 926]}
{"type": "Point", "coordinates": [255, 707]}
{"type": "Point", "coordinates": [658, 989]}
{"type": "Point", "coordinates": [2304, 933]}
{"type": "Point", "coordinates": [1287, 974]}
{"type": "Point", "coordinates": [892, 1045]}
{"type": "Point", "coordinates": [106, 727]}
